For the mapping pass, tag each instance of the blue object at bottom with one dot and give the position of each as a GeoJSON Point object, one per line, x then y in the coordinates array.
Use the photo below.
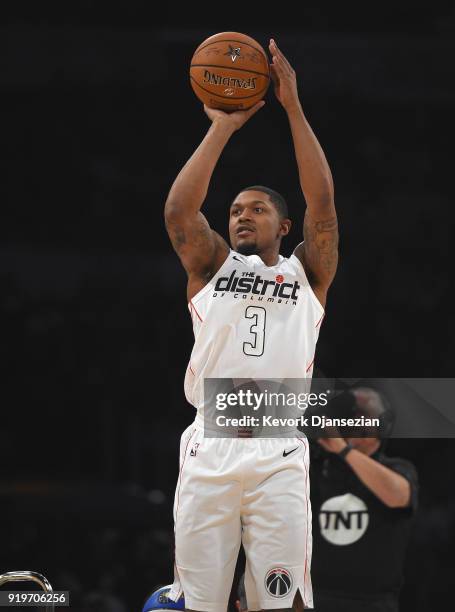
{"type": "Point", "coordinates": [159, 600]}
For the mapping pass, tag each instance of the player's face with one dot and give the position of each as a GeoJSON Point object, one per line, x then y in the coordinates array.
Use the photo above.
{"type": "Point", "coordinates": [254, 223]}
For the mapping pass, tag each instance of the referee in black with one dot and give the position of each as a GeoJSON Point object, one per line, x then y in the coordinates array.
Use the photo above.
{"type": "Point", "coordinates": [363, 505]}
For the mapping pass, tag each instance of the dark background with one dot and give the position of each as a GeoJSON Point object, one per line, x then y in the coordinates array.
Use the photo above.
{"type": "Point", "coordinates": [98, 118]}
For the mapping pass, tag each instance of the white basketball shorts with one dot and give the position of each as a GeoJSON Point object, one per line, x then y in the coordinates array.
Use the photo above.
{"type": "Point", "coordinates": [249, 490]}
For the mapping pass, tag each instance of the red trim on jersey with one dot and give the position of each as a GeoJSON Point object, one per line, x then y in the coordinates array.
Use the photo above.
{"type": "Point", "coordinates": [180, 474]}
{"type": "Point", "coordinates": [323, 315]}
{"type": "Point", "coordinates": [198, 315]}
{"type": "Point", "coordinates": [192, 371]}
{"type": "Point", "coordinates": [309, 365]}
{"type": "Point", "coordinates": [307, 510]}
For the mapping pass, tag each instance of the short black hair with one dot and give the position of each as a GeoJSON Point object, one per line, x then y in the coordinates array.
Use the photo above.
{"type": "Point", "coordinates": [275, 197]}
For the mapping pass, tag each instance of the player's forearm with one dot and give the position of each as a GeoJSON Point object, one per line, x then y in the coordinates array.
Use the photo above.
{"type": "Point", "coordinates": [391, 488]}
{"type": "Point", "coordinates": [189, 189]}
{"type": "Point", "coordinates": [314, 171]}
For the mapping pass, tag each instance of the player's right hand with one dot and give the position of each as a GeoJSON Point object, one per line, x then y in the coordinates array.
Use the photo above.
{"type": "Point", "coordinates": [233, 120]}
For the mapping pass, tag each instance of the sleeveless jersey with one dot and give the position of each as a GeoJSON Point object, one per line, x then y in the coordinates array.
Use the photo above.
{"type": "Point", "coordinates": [253, 321]}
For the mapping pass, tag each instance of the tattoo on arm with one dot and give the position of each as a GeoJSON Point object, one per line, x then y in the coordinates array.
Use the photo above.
{"type": "Point", "coordinates": [178, 237]}
{"type": "Point", "coordinates": [194, 243]}
{"type": "Point", "coordinates": [326, 226]}
{"type": "Point", "coordinates": [321, 245]}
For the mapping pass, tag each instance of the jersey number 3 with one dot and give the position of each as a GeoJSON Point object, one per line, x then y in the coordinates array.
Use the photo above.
{"type": "Point", "coordinates": [256, 347]}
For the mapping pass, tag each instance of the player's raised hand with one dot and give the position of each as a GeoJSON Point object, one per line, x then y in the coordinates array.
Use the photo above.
{"type": "Point", "coordinates": [284, 78]}
{"type": "Point", "coordinates": [234, 120]}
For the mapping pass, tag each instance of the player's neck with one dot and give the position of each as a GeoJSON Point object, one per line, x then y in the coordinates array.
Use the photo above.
{"type": "Point", "coordinates": [270, 257]}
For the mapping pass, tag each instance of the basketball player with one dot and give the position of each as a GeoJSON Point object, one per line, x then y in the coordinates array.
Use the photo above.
{"type": "Point", "coordinates": [250, 490]}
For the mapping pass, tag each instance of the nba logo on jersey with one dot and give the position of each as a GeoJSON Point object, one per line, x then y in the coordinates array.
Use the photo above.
{"type": "Point", "coordinates": [193, 451]}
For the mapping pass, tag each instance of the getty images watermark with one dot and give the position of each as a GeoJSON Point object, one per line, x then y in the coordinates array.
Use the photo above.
{"type": "Point", "coordinates": [261, 401]}
{"type": "Point", "coordinates": [330, 407]}
{"type": "Point", "coordinates": [275, 408]}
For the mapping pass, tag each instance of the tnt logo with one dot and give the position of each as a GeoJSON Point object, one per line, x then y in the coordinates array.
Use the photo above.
{"type": "Point", "coordinates": [343, 519]}
{"type": "Point", "coordinates": [278, 582]}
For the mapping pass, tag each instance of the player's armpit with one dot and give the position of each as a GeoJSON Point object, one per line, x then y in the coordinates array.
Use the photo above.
{"type": "Point", "coordinates": [201, 250]}
{"type": "Point", "coordinates": [319, 251]}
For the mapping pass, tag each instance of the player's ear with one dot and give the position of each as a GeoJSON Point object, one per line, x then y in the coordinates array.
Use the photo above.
{"type": "Point", "coordinates": [285, 227]}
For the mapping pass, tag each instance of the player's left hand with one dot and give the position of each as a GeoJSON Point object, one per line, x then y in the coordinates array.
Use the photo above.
{"type": "Point", "coordinates": [284, 78]}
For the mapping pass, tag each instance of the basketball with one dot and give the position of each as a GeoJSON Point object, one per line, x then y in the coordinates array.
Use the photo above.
{"type": "Point", "coordinates": [230, 71]}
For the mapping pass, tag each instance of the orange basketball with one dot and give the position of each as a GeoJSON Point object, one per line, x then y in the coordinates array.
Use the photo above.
{"type": "Point", "coordinates": [230, 71]}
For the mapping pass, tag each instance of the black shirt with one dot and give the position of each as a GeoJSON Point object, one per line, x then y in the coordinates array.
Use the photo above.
{"type": "Point", "coordinates": [359, 542]}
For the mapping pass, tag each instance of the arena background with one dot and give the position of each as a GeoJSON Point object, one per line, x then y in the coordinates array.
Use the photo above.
{"type": "Point", "coordinates": [98, 118]}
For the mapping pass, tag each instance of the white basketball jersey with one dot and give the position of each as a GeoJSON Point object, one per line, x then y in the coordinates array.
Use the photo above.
{"type": "Point", "coordinates": [253, 321]}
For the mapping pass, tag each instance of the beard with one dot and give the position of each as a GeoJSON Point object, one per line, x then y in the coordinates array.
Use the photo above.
{"type": "Point", "coordinates": [247, 248]}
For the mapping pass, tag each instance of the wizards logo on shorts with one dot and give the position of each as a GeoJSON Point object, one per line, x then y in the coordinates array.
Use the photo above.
{"type": "Point", "coordinates": [278, 582]}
